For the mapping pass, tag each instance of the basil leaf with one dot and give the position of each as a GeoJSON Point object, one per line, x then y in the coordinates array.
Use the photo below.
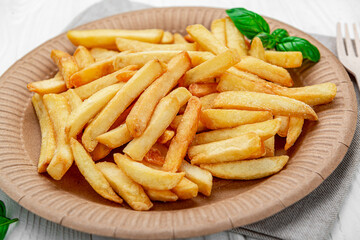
{"type": "Point", "coordinates": [267, 40]}
{"type": "Point", "coordinates": [2, 209]}
{"type": "Point", "coordinates": [4, 221]}
{"type": "Point", "coordinates": [308, 50]}
{"type": "Point", "coordinates": [248, 22]}
{"type": "Point", "coordinates": [279, 34]}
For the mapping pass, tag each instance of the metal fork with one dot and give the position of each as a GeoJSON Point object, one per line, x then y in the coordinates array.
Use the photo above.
{"type": "Point", "coordinates": [349, 56]}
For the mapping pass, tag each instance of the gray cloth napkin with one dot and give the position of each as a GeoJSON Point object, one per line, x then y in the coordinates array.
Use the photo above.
{"type": "Point", "coordinates": [310, 218]}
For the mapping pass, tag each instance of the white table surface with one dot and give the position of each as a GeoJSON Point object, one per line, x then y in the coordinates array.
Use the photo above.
{"type": "Point", "coordinates": [25, 24]}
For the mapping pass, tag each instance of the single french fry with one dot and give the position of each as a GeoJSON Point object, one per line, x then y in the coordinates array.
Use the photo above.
{"type": "Point", "coordinates": [48, 144]}
{"type": "Point", "coordinates": [156, 155]}
{"type": "Point", "coordinates": [167, 38]}
{"type": "Point", "coordinates": [199, 176]}
{"type": "Point", "coordinates": [246, 146]}
{"type": "Point", "coordinates": [83, 57]}
{"type": "Point", "coordinates": [116, 137]}
{"type": "Point", "coordinates": [234, 38]}
{"type": "Point", "coordinates": [269, 147]}
{"type": "Point", "coordinates": [227, 118]}
{"type": "Point", "coordinates": [100, 152]}
{"type": "Point", "coordinates": [146, 176]}
{"type": "Point", "coordinates": [207, 101]}
{"type": "Point", "coordinates": [244, 75]}
{"type": "Point", "coordinates": [265, 70]}
{"type": "Point", "coordinates": [294, 131]}
{"type": "Point", "coordinates": [264, 130]}
{"type": "Point", "coordinates": [68, 67]}
{"type": "Point", "coordinates": [105, 38]}
{"type": "Point", "coordinates": [163, 115]}
{"type": "Point", "coordinates": [188, 38]}
{"type": "Point", "coordinates": [278, 105]}
{"type": "Point", "coordinates": [202, 89]}
{"type": "Point", "coordinates": [125, 76]}
{"type": "Point", "coordinates": [56, 55]}
{"type": "Point", "coordinates": [212, 67]}
{"type": "Point", "coordinates": [117, 105]}
{"type": "Point", "coordinates": [247, 169]}
{"type": "Point", "coordinates": [175, 123]}
{"type": "Point", "coordinates": [178, 38]}
{"type": "Point", "coordinates": [85, 91]}
{"type": "Point", "coordinates": [47, 86]}
{"type": "Point", "coordinates": [284, 126]}
{"type": "Point", "coordinates": [91, 173]}
{"type": "Point", "coordinates": [100, 54]}
{"type": "Point", "coordinates": [129, 190]}
{"type": "Point", "coordinates": [184, 135]}
{"type": "Point", "coordinates": [137, 46]}
{"type": "Point", "coordinates": [140, 115]}
{"type": "Point", "coordinates": [218, 30]}
{"type": "Point", "coordinates": [161, 195]}
{"type": "Point", "coordinates": [186, 189]}
{"type": "Point", "coordinates": [257, 49]}
{"type": "Point", "coordinates": [166, 136]}
{"type": "Point", "coordinates": [59, 112]}
{"type": "Point", "coordinates": [284, 59]}
{"type": "Point", "coordinates": [73, 99]}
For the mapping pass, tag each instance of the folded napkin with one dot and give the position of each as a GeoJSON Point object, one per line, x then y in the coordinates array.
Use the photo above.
{"type": "Point", "coordinates": [310, 218]}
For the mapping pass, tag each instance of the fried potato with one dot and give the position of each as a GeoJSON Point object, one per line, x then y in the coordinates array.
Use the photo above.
{"type": "Point", "coordinates": [161, 195]}
{"type": "Point", "coordinates": [47, 86]}
{"type": "Point", "coordinates": [227, 118]}
{"type": "Point", "coordinates": [184, 135]}
{"type": "Point", "coordinates": [146, 176]}
{"type": "Point", "coordinates": [56, 55]}
{"type": "Point", "coordinates": [218, 30]}
{"type": "Point", "coordinates": [188, 38]}
{"type": "Point", "coordinates": [167, 38]}
{"type": "Point", "coordinates": [83, 57]}
{"type": "Point", "coordinates": [175, 123]}
{"type": "Point", "coordinates": [100, 54]}
{"type": "Point", "coordinates": [137, 46]}
{"type": "Point", "coordinates": [200, 177]}
{"type": "Point", "coordinates": [59, 112]}
{"type": "Point", "coordinates": [140, 115]}
{"type": "Point", "coordinates": [284, 59]}
{"type": "Point", "coordinates": [73, 99]}
{"type": "Point", "coordinates": [264, 130]}
{"type": "Point", "coordinates": [269, 147]}
{"type": "Point", "coordinates": [105, 38]}
{"type": "Point", "coordinates": [129, 190]}
{"type": "Point", "coordinates": [156, 155]}
{"type": "Point", "coordinates": [257, 50]}
{"type": "Point", "coordinates": [48, 144]}
{"type": "Point", "coordinates": [125, 76]}
{"type": "Point", "coordinates": [244, 75]}
{"type": "Point", "coordinates": [91, 173]}
{"type": "Point", "coordinates": [246, 146]}
{"type": "Point", "coordinates": [178, 38]}
{"type": "Point", "coordinates": [294, 131]}
{"type": "Point", "coordinates": [100, 152]}
{"type": "Point", "coordinates": [68, 67]}
{"type": "Point", "coordinates": [163, 115]}
{"type": "Point", "coordinates": [117, 105]}
{"type": "Point", "coordinates": [207, 101]}
{"type": "Point", "coordinates": [186, 189]}
{"type": "Point", "coordinates": [284, 126]}
{"type": "Point", "coordinates": [247, 169]}
{"type": "Point", "coordinates": [278, 105]}
{"type": "Point", "coordinates": [166, 136]}
{"type": "Point", "coordinates": [116, 137]}
{"type": "Point", "coordinates": [265, 70]}
{"type": "Point", "coordinates": [234, 38]}
{"type": "Point", "coordinates": [212, 67]}
{"type": "Point", "coordinates": [202, 89]}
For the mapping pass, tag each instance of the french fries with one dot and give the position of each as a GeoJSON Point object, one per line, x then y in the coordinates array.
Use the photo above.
{"type": "Point", "coordinates": [234, 38]}
{"type": "Point", "coordinates": [166, 136]}
{"type": "Point", "coordinates": [202, 89]}
{"type": "Point", "coordinates": [186, 189]}
{"type": "Point", "coordinates": [100, 54]}
{"type": "Point", "coordinates": [68, 67]}
{"type": "Point", "coordinates": [201, 177]}
{"type": "Point", "coordinates": [100, 152]}
{"type": "Point", "coordinates": [83, 57]}
{"type": "Point", "coordinates": [294, 131]}
{"type": "Point", "coordinates": [161, 195]}
{"type": "Point", "coordinates": [156, 155]}
{"type": "Point", "coordinates": [116, 137]}
{"type": "Point", "coordinates": [178, 38]}
{"type": "Point", "coordinates": [207, 101]}
{"type": "Point", "coordinates": [167, 38]}
{"type": "Point", "coordinates": [269, 147]}
{"type": "Point", "coordinates": [257, 50]}
{"type": "Point", "coordinates": [283, 130]}
{"type": "Point", "coordinates": [73, 99]}
{"type": "Point", "coordinates": [218, 30]}
{"type": "Point", "coordinates": [284, 59]}
{"type": "Point", "coordinates": [47, 86]}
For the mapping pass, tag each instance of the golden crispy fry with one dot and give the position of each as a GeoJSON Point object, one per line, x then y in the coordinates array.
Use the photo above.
{"type": "Point", "coordinates": [265, 130]}
{"type": "Point", "coordinates": [129, 190]}
{"type": "Point", "coordinates": [116, 137]}
{"type": "Point", "coordinates": [123, 98]}
{"type": "Point", "coordinates": [184, 135]}
{"type": "Point", "coordinates": [202, 89]}
{"type": "Point", "coordinates": [212, 67]}
{"type": "Point", "coordinates": [100, 54]}
{"type": "Point", "coordinates": [234, 38]}
{"type": "Point", "coordinates": [100, 152]}
{"type": "Point", "coordinates": [257, 49]}
{"type": "Point", "coordinates": [73, 99]}
{"type": "Point", "coordinates": [137, 46]}
{"type": "Point", "coordinates": [294, 131]}
{"type": "Point", "coordinates": [91, 173]}
{"type": "Point", "coordinates": [246, 146]}
{"type": "Point", "coordinates": [125, 75]}
{"type": "Point", "coordinates": [146, 176]}
{"type": "Point", "coordinates": [244, 75]}
{"type": "Point", "coordinates": [247, 169]}
{"type": "Point", "coordinates": [161, 195]}
{"type": "Point", "coordinates": [207, 101]}
{"type": "Point", "coordinates": [156, 155]}
{"type": "Point", "coordinates": [218, 30]}
{"type": "Point", "coordinates": [175, 123]}
{"type": "Point", "coordinates": [284, 126]}
{"type": "Point", "coordinates": [163, 115]}
{"type": "Point", "coordinates": [188, 38]}
{"type": "Point", "coordinates": [186, 189]}
{"type": "Point", "coordinates": [48, 143]}
{"type": "Point", "coordinates": [227, 118]}
{"type": "Point", "coordinates": [278, 105]}
{"type": "Point", "coordinates": [83, 57]}
{"type": "Point", "coordinates": [167, 38]}
{"type": "Point", "coordinates": [59, 111]}
{"type": "Point", "coordinates": [89, 89]}
{"type": "Point", "coordinates": [105, 38]}
{"type": "Point", "coordinates": [178, 38]}
{"type": "Point", "coordinates": [205, 39]}
{"type": "Point", "coordinates": [89, 108]}
{"type": "Point", "coordinates": [47, 86]}
{"type": "Point", "coordinates": [200, 177]}
{"type": "Point", "coordinates": [284, 59]}
{"type": "Point", "coordinates": [68, 67]}
{"type": "Point", "coordinates": [265, 70]}
{"type": "Point", "coordinates": [56, 55]}
{"type": "Point", "coordinates": [269, 147]}
{"type": "Point", "coordinates": [166, 136]}
{"type": "Point", "coordinates": [143, 109]}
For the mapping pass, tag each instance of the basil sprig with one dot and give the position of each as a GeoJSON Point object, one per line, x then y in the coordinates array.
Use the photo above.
{"type": "Point", "coordinates": [252, 25]}
{"type": "Point", "coordinates": [4, 221]}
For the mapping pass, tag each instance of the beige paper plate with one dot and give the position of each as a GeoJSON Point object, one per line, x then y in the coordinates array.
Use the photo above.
{"type": "Point", "coordinates": [72, 203]}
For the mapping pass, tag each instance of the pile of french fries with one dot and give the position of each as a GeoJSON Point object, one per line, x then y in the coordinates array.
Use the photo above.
{"type": "Point", "coordinates": [178, 110]}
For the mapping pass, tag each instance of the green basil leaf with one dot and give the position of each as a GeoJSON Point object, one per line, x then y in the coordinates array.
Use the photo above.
{"type": "Point", "coordinates": [4, 221]}
{"type": "Point", "coordinates": [279, 34]}
{"type": "Point", "coordinates": [2, 209]}
{"type": "Point", "coordinates": [267, 40]}
{"type": "Point", "coordinates": [308, 50]}
{"type": "Point", "coordinates": [248, 22]}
